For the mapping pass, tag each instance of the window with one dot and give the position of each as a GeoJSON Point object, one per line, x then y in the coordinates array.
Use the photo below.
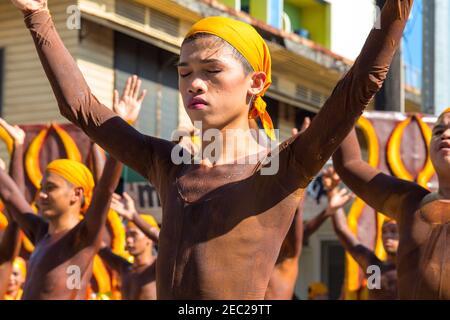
{"type": "Point", "coordinates": [333, 267]}
{"type": "Point", "coordinates": [245, 5]}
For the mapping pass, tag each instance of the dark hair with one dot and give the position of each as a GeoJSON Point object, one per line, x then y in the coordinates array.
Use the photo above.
{"type": "Point", "coordinates": [236, 54]}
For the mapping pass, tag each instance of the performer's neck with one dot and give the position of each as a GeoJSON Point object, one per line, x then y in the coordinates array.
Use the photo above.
{"type": "Point", "coordinates": [444, 187]}
{"type": "Point", "coordinates": [236, 142]}
{"type": "Point", "coordinates": [144, 259]}
{"type": "Point", "coordinates": [64, 222]}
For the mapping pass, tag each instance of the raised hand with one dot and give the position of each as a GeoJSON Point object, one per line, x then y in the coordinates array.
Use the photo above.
{"type": "Point", "coordinates": [124, 206]}
{"type": "Point", "coordinates": [330, 179]}
{"type": "Point", "coordinates": [30, 5]}
{"type": "Point", "coordinates": [337, 199]}
{"type": "Point", "coordinates": [15, 132]}
{"type": "Point", "coordinates": [129, 104]}
{"type": "Point", "coordinates": [305, 125]}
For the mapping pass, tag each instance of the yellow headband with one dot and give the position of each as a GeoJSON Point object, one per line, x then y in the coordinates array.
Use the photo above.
{"type": "Point", "coordinates": [147, 218]}
{"type": "Point", "coordinates": [445, 111]}
{"type": "Point", "coordinates": [20, 264]}
{"type": "Point", "coordinates": [77, 174]}
{"type": "Point", "coordinates": [245, 39]}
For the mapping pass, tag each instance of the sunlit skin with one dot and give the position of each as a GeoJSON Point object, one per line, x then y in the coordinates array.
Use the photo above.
{"type": "Point", "coordinates": [59, 200]}
{"type": "Point", "coordinates": [440, 154]}
{"type": "Point", "coordinates": [137, 244]}
{"type": "Point", "coordinates": [209, 72]}
{"type": "Point", "coordinates": [139, 281]}
{"type": "Point", "coordinates": [16, 280]}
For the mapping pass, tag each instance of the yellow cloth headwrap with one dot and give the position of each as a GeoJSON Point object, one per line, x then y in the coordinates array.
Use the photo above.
{"type": "Point", "coordinates": [149, 219]}
{"type": "Point", "coordinates": [77, 174]}
{"type": "Point", "coordinates": [245, 39]}
{"type": "Point", "coordinates": [445, 111]}
{"type": "Point", "coordinates": [20, 264]}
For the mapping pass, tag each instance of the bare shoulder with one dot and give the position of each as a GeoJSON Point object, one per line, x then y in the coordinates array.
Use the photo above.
{"type": "Point", "coordinates": [415, 198]}
{"type": "Point", "coordinates": [429, 198]}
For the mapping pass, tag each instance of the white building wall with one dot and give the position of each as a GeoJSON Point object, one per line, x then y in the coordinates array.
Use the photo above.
{"type": "Point", "coordinates": [351, 22]}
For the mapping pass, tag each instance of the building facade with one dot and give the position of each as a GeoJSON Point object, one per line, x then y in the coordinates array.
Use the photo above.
{"type": "Point", "coordinates": [436, 56]}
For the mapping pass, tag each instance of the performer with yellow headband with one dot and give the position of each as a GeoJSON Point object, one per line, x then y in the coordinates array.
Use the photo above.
{"type": "Point", "coordinates": [138, 279]}
{"type": "Point", "coordinates": [224, 223]}
{"type": "Point", "coordinates": [11, 275]}
{"type": "Point", "coordinates": [16, 280]}
{"type": "Point", "coordinates": [423, 217]}
{"type": "Point", "coordinates": [12, 267]}
{"type": "Point", "coordinates": [61, 240]}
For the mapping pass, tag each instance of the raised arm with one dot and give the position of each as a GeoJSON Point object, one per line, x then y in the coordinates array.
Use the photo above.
{"type": "Point", "coordinates": [353, 92]}
{"type": "Point", "coordinates": [19, 209]}
{"type": "Point", "coordinates": [12, 188]}
{"type": "Point", "coordinates": [337, 199]}
{"type": "Point", "coordinates": [97, 212]}
{"type": "Point", "coordinates": [362, 255]}
{"type": "Point", "coordinates": [126, 208]}
{"type": "Point", "coordinates": [16, 166]}
{"type": "Point", "coordinates": [380, 191]}
{"type": "Point", "coordinates": [311, 226]}
{"type": "Point", "coordinates": [10, 245]}
{"type": "Point", "coordinates": [81, 107]}
{"type": "Point", "coordinates": [10, 242]}
{"type": "Point", "coordinates": [127, 107]}
{"type": "Point", "coordinates": [115, 262]}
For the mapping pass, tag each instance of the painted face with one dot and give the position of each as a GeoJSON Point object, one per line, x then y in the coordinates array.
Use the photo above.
{"type": "Point", "coordinates": [390, 235]}
{"type": "Point", "coordinates": [212, 82]}
{"type": "Point", "coordinates": [16, 280]}
{"type": "Point", "coordinates": [136, 242]}
{"type": "Point", "coordinates": [440, 145]}
{"type": "Point", "coordinates": [56, 196]}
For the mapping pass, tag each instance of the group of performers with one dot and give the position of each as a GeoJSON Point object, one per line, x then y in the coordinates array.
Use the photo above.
{"type": "Point", "coordinates": [228, 231]}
